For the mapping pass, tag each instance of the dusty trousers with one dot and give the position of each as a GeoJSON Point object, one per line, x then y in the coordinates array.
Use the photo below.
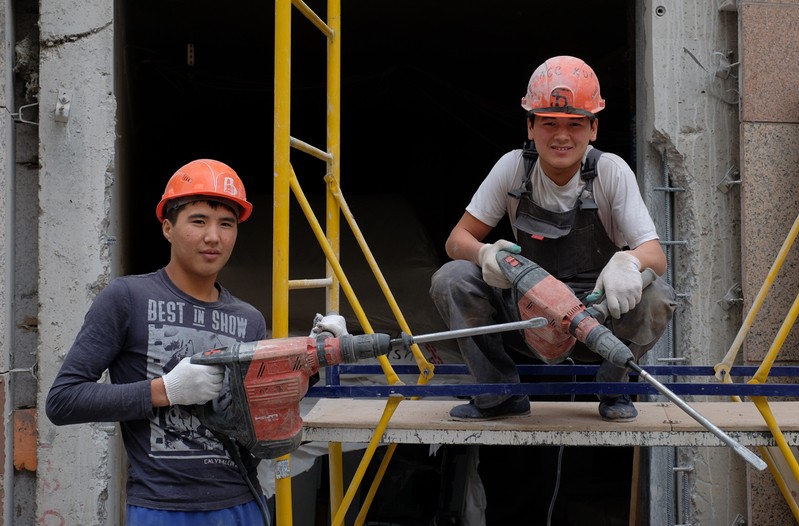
{"type": "Point", "coordinates": [464, 300]}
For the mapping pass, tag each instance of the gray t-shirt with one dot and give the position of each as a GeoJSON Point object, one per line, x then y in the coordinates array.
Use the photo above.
{"type": "Point", "coordinates": [138, 328]}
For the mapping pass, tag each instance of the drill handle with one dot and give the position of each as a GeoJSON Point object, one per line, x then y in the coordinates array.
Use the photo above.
{"type": "Point", "coordinates": [600, 310]}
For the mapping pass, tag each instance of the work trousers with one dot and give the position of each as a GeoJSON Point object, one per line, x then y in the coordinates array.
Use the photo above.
{"type": "Point", "coordinates": [464, 300]}
{"type": "Point", "coordinates": [247, 514]}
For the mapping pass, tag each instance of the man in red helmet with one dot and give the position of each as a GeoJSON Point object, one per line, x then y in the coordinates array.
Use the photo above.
{"type": "Point", "coordinates": [144, 329]}
{"type": "Point", "coordinates": [577, 213]}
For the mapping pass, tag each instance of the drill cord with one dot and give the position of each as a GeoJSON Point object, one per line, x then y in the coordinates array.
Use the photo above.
{"type": "Point", "coordinates": [234, 453]}
{"type": "Point", "coordinates": [560, 462]}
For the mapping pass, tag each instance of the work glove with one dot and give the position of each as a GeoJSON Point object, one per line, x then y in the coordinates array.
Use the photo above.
{"type": "Point", "coordinates": [621, 283]}
{"type": "Point", "coordinates": [332, 323]}
{"type": "Point", "coordinates": [189, 383]}
{"type": "Point", "coordinates": [492, 274]}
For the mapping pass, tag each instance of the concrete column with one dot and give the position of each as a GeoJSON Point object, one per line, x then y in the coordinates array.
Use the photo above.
{"type": "Point", "coordinates": [78, 465]}
{"type": "Point", "coordinates": [6, 250]}
{"type": "Point", "coordinates": [688, 117]}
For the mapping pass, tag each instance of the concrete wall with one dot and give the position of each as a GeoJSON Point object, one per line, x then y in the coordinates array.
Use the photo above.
{"type": "Point", "coordinates": [709, 68]}
{"type": "Point", "coordinates": [77, 475]}
{"type": "Point", "coordinates": [688, 119]}
{"type": "Point", "coordinates": [19, 243]}
{"type": "Point", "coordinates": [6, 237]}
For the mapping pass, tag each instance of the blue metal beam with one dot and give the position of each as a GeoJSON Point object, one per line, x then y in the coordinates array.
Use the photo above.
{"type": "Point", "coordinates": [565, 387]}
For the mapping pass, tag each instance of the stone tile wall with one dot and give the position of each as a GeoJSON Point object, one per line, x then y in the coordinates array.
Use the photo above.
{"type": "Point", "coordinates": [769, 45]}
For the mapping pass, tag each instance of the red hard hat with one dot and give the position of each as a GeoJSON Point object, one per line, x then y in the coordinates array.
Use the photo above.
{"type": "Point", "coordinates": [206, 177]}
{"type": "Point", "coordinates": [563, 87]}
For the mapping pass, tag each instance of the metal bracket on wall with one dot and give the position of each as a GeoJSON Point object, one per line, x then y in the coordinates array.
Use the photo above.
{"type": "Point", "coordinates": [731, 178]}
{"type": "Point", "coordinates": [18, 115]}
{"type": "Point", "coordinates": [62, 107]}
{"type": "Point", "coordinates": [732, 297]}
{"type": "Point", "coordinates": [724, 66]}
{"type": "Point", "coordinates": [32, 370]}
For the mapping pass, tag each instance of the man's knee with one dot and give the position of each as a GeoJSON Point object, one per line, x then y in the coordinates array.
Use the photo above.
{"type": "Point", "coordinates": [648, 320]}
{"type": "Point", "coordinates": [659, 300]}
{"type": "Point", "coordinates": [453, 274]}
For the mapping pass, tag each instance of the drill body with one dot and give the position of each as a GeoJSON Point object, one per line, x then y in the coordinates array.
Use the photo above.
{"type": "Point", "coordinates": [539, 294]}
{"type": "Point", "coordinates": [265, 381]}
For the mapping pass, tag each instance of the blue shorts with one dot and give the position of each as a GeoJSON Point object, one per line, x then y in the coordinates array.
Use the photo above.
{"type": "Point", "coordinates": [248, 514]}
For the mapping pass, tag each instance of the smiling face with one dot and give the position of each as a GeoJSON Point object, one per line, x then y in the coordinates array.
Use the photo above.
{"type": "Point", "coordinates": [561, 144]}
{"type": "Point", "coordinates": [202, 238]}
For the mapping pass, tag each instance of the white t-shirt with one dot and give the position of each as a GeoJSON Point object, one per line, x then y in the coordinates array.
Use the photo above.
{"type": "Point", "coordinates": [621, 208]}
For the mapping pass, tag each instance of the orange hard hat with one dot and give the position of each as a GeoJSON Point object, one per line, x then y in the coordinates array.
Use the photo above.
{"type": "Point", "coordinates": [206, 178]}
{"type": "Point", "coordinates": [563, 87]}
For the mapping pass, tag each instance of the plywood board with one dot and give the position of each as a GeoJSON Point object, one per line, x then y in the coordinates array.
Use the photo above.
{"type": "Point", "coordinates": [550, 423]}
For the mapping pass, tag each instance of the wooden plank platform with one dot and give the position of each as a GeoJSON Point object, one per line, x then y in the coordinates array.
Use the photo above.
{"type": "Point", "coordinates": [350, 420]}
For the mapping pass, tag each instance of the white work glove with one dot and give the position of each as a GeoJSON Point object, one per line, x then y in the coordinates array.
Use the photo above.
{"type": "Point", "coordinates": [332, 323]}
{"type": "Point", "coordinates": [492, 274]}
{"type": "Point", "coordinates": [621, 282]}
{"type": "Point", "coordinates": [189, 383]}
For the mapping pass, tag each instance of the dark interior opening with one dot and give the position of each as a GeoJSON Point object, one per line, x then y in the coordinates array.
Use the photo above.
{"type": "Point", "coordinates": [430, 100]}
{"type": "Point", "coordinates": [430, 95]}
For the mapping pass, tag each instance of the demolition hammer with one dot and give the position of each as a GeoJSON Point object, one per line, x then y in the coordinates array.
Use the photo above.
{"type": "Point", "coordinates": [266, 379]}
{"type": "Point", "coordinates": [538, 294]}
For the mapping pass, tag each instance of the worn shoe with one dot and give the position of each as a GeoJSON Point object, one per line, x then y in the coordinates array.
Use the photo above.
{"type": "Point", "coordinates": [619, 409]}
{"type": "Point", "coordinates": [512, 407]}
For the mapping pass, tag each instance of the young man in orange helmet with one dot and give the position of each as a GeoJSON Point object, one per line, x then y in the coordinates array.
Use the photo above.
{"type": "Point", "coordinates": [144, 329]}
{"type": "Point", "coordinates": [577, 214]}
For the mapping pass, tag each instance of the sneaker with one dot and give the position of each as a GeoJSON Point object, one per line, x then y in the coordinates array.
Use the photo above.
{"type": "Point", "coordinates": [512, 407]}
{"type": "Point", "coordinates": [619, 409]}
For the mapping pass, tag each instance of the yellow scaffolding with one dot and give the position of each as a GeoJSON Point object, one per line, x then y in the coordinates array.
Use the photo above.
{"type": "Point", "coordinates": [335, 280]}
{"type": "Point", "coordinates": [781, 460]}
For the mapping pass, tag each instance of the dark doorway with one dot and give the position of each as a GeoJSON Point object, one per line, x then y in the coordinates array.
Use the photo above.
{"type": "Point", "coordinates": [430, 96]}
{"type": "Point", "coordinates": [430, 100]}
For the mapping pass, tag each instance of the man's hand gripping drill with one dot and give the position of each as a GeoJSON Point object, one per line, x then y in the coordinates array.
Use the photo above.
{"type": "Point", "coordinates": [539, 294]}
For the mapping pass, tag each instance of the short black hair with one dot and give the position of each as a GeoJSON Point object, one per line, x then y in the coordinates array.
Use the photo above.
{"type": "Point", "coordinates": [173, 208]}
